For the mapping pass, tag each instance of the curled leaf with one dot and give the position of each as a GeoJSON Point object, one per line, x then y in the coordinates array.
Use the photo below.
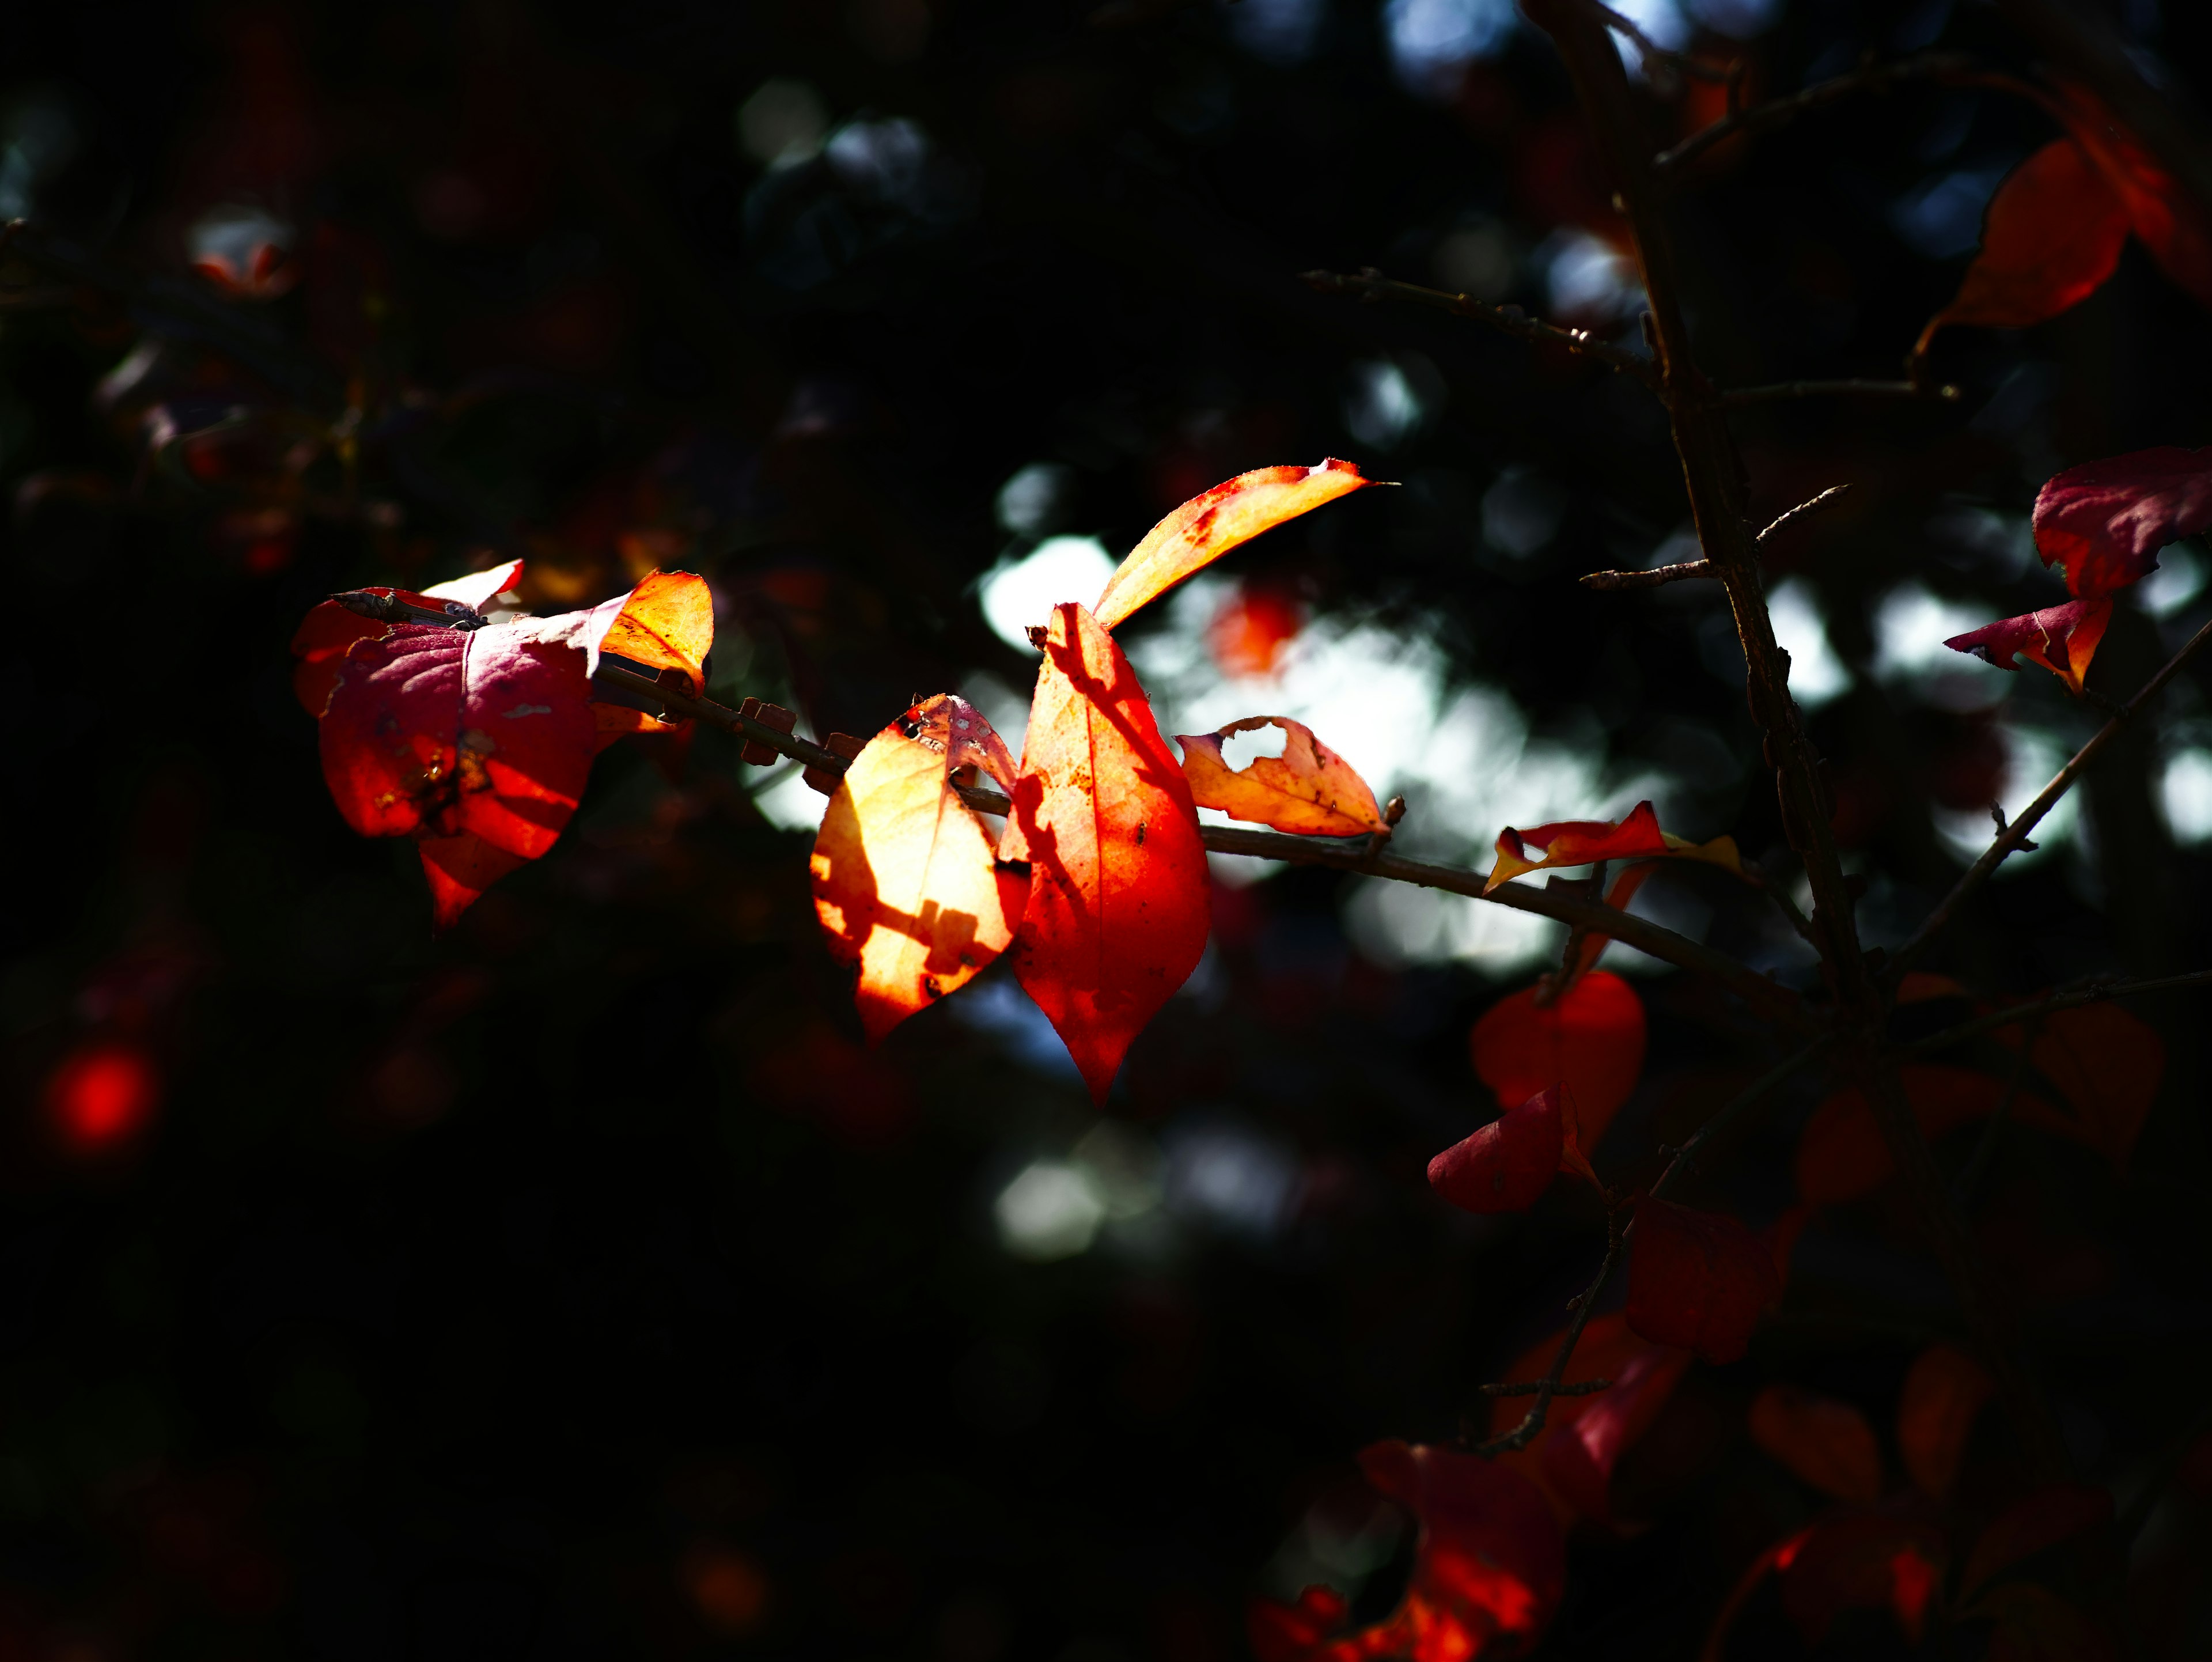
{"type": "Point", "coordinates": [1208, 526]}
{"type": "Point", "coordinates": [1588, 1040]}
{"type": "Point", "coordinates": [1579, 1458]}
{"type": "Point", "coordinates": [1700, 1279]}
{"type": "Point", "coordinates": [1116, 915]}
{"type": "Point", "coordinates": [1584, 841]}
{"type": "Point", "coordinates": [2104, 523]}
{"type": "Point", "coordinates": [912, 902]}
{"type": "Point", "coordinates": [1944, 1392]}
{"type": "Point", "coordinates": [1308, 789]}
{"type": "Point", "coordinates": [1828, 1444]}
{"type": "Point", "coordinates": [1507, 1163]}
{"type": "Point", "coordinates": [2061, 638]}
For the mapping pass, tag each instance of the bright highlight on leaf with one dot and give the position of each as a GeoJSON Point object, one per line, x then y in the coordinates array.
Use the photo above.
{"type": "Point", "coordinates": [1585, 841]}
{"type": "Point", "coordinates": [1116, 915]}
{"type": "Point", "coordinates": [1588, 1040]}
{"type": "Point", "coordinates": [1699, 1280]}
{"type": "Point", "coordinates": [912, 902]}
{"type": "Point", "coordinates": [1208, 526]}
{"type": "Point", "coordinates": [2104, 523]}
{"type": "Point", "coordinates": [1308, 789]}
{"type": "Point", "coordinates": [1827, 1444]}
{"type": "Point", "coordinates": [2063, 639]}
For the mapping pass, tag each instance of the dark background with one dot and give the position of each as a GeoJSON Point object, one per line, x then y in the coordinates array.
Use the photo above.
{"type": "Point", "coordinates": [576, 1285]}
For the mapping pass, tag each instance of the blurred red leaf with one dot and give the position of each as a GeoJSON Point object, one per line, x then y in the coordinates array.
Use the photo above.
{"type": "Point", "coordinates": [1308, 789]}
{"type": "Point", "coordinates": [1488, 1571]}
{"type": "Point", "coordinates": [1827, 1444]}
{"type": "Point", "coordinates": [1943, 1392]}
{"type": "Point", "coordinates": [101, 1095]}
{"type": "Point", "coordinates": [1891, 1559]}
{"type": "Point", "coordinates": [1700, 1279]}
{"type": "Point", "coordinates": [1507, 1163]}
{"type": "Point", "coordinates": [2052, 236]}
{"type": "Point", "coordinates": [2104, 523]}
{"type": "Point", "coordinates": [2162, 214]}
{"type": "Point", "coordinates": [2108, 1064]}
{"type": "Point", "coordinates": [1247, 635]}
{"type": "Point", "coordinates": [1583, 842]}
{"type": "Point", "coordinates": [1589, 1040]}
{"type": "Point", "coordinates": [2034, 1523]}
{"type": "Point", "coordinates": [912, 902]}
{"type": "Point", "coordinates": [1208, 526]}
{"type": "Point", "coordinates": [2063, 639]}
{"type": "Point", "coordinates": [1117, 917]}
{"type": "Point", "coordinates": [1841, 1154]}
{"type": "Point", "coordinates": [1578, 1456]}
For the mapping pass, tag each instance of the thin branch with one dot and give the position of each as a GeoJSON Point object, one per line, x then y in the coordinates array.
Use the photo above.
{"type": "Point", "coordinates": [1530, 1387]}
{"type": "Point", "coordinates": [1827, 498]}
{"type": "Point", "coordinates": [1656, 577]}
{"type": "Point", "coordinates": [2095, 992]}
{"type": "Point", "coordinates": [1371, 284]}
{"type": "Point", "coordinates": [1737, 398]}
{"type": "Point", "coordinates": [2009, 839]}
{"type": "Point", "coordinates": [1777, 1003]}
{"type": "Point", "coordinates": [1687, 1157]}
{"type": "Point", "coordinates": [1878, 77]}
{"type": "Point", "coordinates": [1548, 1387]}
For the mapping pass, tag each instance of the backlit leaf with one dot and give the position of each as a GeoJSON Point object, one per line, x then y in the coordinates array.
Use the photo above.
{"type": "Point", "coordinates": [1583, 842]}
{"type": "Point", "coordinates": [2051, 234]}
{"type": "Point", "coordinates": [1944, 1392]}
{"type": "Point", "coordinates": [330, 629]}
{"type": "Point", "coordinates": [1507, 1163]}
{"type": "Point", "coordinates": [2162, 213]}
{"type": "Point", "coordinates": [1208, 526]}
{"type": "Point", "coordinates": [1308, 789]}
{"type": "Point", "coordinates": [913, 903]}
{"type": "Point", "coordinates": [1699, 1280]}
{"type": "Point", "coordinates": [2104, 523]}
{"type": "Point", "coordinates": [1116, 915]}
{"type": "Point", "coordinates": [1589, 1040]}
{"type": "Point", "coordinates": [1826, 1443]}
{"type": "Point", "coordinates": [2063, 639]}
{"type": "Point", "coordinates": [479, 588]}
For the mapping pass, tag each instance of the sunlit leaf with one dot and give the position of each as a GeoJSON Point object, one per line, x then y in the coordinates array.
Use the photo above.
{"type": "Point", "coordinates": [1116, 915]}
{"type": "Point", "coordinates": [2104, 523]}
{"type": "Point", "coordinates": [2063, 639]}
{"type": "Point", "coordinates": [1828, 1444]}
{"type": "Point", "coordinates": [1583, 842]}
{"type": "Point", "coordinates": [1507, 1163]}
{"type": "Point", "coordinates": [479, 588]}
{"type": "Point", "coordinates": [1207, 526]}
{"type": "Point", "coordinates": [329, 629]}
{"type": "Point", "coordinates": [1308, 789]}
{"type": "Point", "coordinates": [912, 900]}
{"type": "Point", "coordinates": [1700, 1279]}
{"type": "Point", "coordinates": [1944, 1392]}
{"type": "Point", "coordinates": [1589, 1040]}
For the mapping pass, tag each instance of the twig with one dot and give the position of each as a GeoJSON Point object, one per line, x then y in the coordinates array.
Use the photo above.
{"type": "Point", "coordinates": [1736, 398]}
{"type": "Point", "coordinates": [1530, 1387]}
{"type": "Point", "coordinates": [1782, 111]}
{"type": "Point", "coordinates": [2016, 834]}
{"type": "Point", "coordinates": [1777, 1003]}
{"type": "Point", "coordinates": [1372, 285]}
{"type": "Point", "coordinates": [1687, 1157]}
{"type": "Point", "coordinates": [1656, 577]}
{"type": "Point", "coordinates": [1827, 498]}
{"type": "Point", "coordinates": [2095, 992]}
{"type": "Point", "coordinates": [1548, 1387]}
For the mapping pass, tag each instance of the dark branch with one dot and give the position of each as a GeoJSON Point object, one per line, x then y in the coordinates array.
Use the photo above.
{"type": "Point", "coordinates": [1737, 398]}
{"type": "Point", "coordinates": [1656, 577]}
{"type": "Point", "coordinates": [1874, 78]}
{"type": "Point", "coordinates": [1687, 1157]}
{"type": "Point", "coordinates": [1372, 285]}
{"type": "Point", "coordinates": [1548, 1387]}
{"type": "Point", "coordinates": [1530, 1387]}
{"type": "Point", "coordinates": [2095, 993]}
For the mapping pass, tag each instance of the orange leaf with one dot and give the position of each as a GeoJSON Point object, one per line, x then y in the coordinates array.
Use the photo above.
{"type": "Point", "coordinates": [1308, 789]}
{"type": "Point", "coordinates": [1117, 917]}
{"type": "Point", "coordinates": [1207, 526]}
{"type": "Point", "coordinates": [2052, 236]}
{"type": "Point", "coordinates": [1248, 635]}
{"type": "Point", "coordinates": [912, 902]}
{"type": "Point", "coordinates": [1943, 1393]}
{"type": "Point", "coordinates": [663, 627]}
{"type": "Point", "coordinates": [459, 869]}
{"type": "Point", "coordinates": [1584, 841]}
{"type": "Point", "coordinates": [1827, 1444]}
{"type": "Point", "coordinates": [2063, 639]}
{"type": "Point", "coordinates": [1590, 1039]}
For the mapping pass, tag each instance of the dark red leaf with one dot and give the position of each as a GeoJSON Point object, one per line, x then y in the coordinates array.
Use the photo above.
{"type": "Point", "coordinates": [1579, 1456]}
{"type": "Point", "coordinates": [1826, 1443]}
{"type": "Point", "coordinates": [1589, 1040]}
{"type": "Point", "coordinates": [2063, 639]}
{"type": "Point", "coordinates": [1507, 1163]}
{"type": "Point", "coordinates": [1699, 1280]}
{"type": "Point", "coordinates": [2160, 212]}
{"type": "Point", "coordinates": [2108, 1064]}
{"type": "Point", "coordinates": [2035, 1523]}
{"type": "Point", "coordinates": [1943, 1393]}
{"type": "Point", "coordinates": [2104, 523]}
{"type": "Point", "coordinates": [1892, 1559]}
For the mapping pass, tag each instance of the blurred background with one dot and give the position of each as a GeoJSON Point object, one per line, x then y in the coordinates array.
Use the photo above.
{"type": "Point", "coordinates": [577, 1284]}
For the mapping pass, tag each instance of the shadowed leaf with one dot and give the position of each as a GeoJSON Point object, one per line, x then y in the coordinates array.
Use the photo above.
{"type": "Point", "coordinates": [1699, 1280]}
{"type": "Point", "coordinates": [1943, 1393]}
{"type": "Point", "coordinates": [1827, 1444]}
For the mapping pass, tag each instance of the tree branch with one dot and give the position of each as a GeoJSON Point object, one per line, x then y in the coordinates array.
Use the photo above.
{"type": "Point", "coordinates": [2010, 839]}
{"type": "Point", "coordinates": [1530, 1387]}
{"type": "Point", "coordinates": [2097, 992]}
{"type": "Point", "coordinates": [1827, 498]}
{"type": "Point", "coordinates": [1737, 398]}
{"type": "Point", "coordinates": [1878, 77]}
{"type": "Point", "coordinates": [1371, 284]}
{"type": "Point", "coordinates": [1773, 1000]}
{"type": "Point", "coordinates": [1687, 1157]}
{"type": "Point", "coordinates": [1548, 1387]}
{"type": "Point", "coordinates": [1658, 576]}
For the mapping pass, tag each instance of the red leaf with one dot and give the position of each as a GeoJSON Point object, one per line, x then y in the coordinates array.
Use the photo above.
{"type": "Point", "coordinates": [1699, 1280]}
{"type": "Point", "coordinates": [1589, 1040]}
{"type": "Point", "coordinates": [1247, 636]}
{"type": "Point", "coordinates": [1509, 1163]}
{"type": "Point", "coordinates": [1285, 1633]}
{"type": "Point", "coordinates": [2159, 211]}
{"type": "Point", "coordinates": [2063, 639]}
{"type": "Point", "coordinates": [1826, 1443]}
{"type": "Point", "coordinates": [1943, 1393]}
{"type": "Point", "coordinates": [1579, 1456]}
{"type": "Point", "coordinates": [2108, 1064]}
{"type": "Point", "coordinates": [101, 1095]}
{"type": "Point", "coordinates": [1583, 842]}
{"type": "Point", "coordinates": [2104, 523]}
{"type": "Point", "coordinates": [1116, 919]}
{"type": "Point", "coordinates": [328, 628]}
{"type": "Point", "coordinates": [2035, 1523]}
{"type": "Point", "coordinates": [458, 870]}
{"type": "Point", "coordinates": [2052, 234]}
{"type": "Point", "coordinates": [1208, 526]}
{"type": "Point", "coordinates": [1888, 1560]}
{"type": "Point", "coordinates": [1841, 1154]}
